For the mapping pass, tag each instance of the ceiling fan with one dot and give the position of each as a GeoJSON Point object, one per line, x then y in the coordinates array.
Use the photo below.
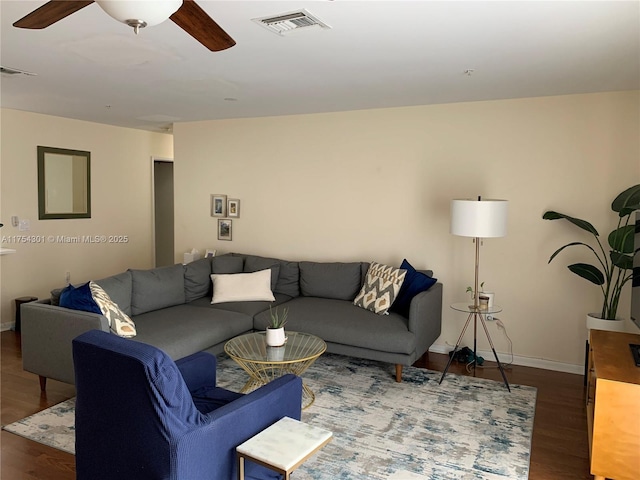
{"type": "Point", "coordinates": [185, 13]}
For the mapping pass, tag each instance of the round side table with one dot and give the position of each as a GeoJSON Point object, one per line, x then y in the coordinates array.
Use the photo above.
{"type": "Point", "coordinates": [476, 313]}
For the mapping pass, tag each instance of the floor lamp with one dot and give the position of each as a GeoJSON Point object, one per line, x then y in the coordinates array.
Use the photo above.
{"type": "Point", "coordinates": [478, 219]}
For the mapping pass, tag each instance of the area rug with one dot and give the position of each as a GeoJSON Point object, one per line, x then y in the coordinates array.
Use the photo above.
{"type": "Point", "coordinates": [53, 426]}
{"type": "Point", "coordinates": [466, 428]}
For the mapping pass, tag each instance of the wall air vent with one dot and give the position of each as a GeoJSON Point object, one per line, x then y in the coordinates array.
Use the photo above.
{"type": "Point", "coordinates": [14, 71]}
{"type": "Point", "coordinates": [291, 22]}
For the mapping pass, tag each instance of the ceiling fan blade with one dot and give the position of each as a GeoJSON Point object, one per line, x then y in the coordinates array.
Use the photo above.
{"type": "Point", "coordinates": [50, 13]}
{"type": "Point", "coordinates": [195, 21]}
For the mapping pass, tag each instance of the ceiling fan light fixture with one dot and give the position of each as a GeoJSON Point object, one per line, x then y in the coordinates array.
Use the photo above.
{"type": "Point", "coordinates": [140, 13]}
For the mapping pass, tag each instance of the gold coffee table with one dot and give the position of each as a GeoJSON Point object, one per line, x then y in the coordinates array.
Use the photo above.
{"type": "Point", "coordinates": [264, 363]}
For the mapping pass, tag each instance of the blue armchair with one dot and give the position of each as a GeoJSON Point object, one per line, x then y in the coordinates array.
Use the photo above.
{"type": "Point", "coordinates": [140, 415]}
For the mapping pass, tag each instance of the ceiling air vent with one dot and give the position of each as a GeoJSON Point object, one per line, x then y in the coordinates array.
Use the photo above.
{"type": "Point", "coordinates": [291, 22]}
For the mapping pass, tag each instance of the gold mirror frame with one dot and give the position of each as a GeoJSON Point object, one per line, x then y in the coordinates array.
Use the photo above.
{"type": "Point", "coordinates": [64, 183]}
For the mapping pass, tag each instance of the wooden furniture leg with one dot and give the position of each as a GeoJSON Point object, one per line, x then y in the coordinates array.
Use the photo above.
{"type": "Point", "coordinates": [398, 373]}
{"type": "Point", "coordinates": [240, 467]}
{"type": "Point", "coordinates": [43, 383]}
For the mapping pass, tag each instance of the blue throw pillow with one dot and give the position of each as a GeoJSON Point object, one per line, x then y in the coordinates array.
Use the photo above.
{"type": "Point", "coordinates": [79, 299]}
{"type": "Point", "coordinates": [414, 283]}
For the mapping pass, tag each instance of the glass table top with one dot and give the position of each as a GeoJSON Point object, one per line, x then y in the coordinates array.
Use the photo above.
{"type": "Point", "coordinates": [253, 347]}
{"type": "Point", "coordinates": [468, 307]}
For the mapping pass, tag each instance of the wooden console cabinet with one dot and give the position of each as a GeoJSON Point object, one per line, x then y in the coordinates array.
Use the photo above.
{"type": "Point", "coordinates": [613, 406]}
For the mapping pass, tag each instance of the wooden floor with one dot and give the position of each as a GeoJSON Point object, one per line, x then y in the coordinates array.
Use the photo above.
{"type": "Point", "coordinates": [559, 446]}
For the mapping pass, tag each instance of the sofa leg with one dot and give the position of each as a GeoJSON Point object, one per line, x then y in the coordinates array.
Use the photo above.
{"type": "Point", "coordinates": [398, 373]}
{"type": "Point", "coordinates": [43, 383]}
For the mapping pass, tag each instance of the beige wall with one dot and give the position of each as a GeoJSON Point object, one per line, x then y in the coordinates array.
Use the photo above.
{"type": "Point", "coordinates": [377, 184]}
{"type": "Point", "coordinates": [365, 185]}
{"type": "Point", "coordinates": [121, 203]}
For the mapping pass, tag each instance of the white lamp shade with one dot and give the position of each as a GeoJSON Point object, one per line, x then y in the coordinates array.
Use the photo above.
{"type": "Point", "coordinates": [484, 218]}
{"type": "Point", "coordinates": [152, 12]}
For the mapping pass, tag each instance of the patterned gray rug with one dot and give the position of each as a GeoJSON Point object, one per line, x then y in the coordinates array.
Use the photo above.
{"type": "Point", "coordinates": [467, 428]}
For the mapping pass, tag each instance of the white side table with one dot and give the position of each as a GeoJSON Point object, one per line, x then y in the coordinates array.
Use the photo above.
{"type": "Point", "coordinates": [283, 446]}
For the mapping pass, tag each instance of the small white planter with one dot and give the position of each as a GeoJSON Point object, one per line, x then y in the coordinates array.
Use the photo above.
{"type": "Point", "coordinates": [595, 323]}
{"type": "Point", "coordinates": [275, 337]}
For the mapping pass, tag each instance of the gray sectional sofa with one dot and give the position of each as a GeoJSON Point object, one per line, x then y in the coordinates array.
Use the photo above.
{"type": "Point", "coordinates": [172, 310]}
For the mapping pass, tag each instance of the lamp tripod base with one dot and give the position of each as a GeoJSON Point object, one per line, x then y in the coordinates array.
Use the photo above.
{"type": "Point", "coordinates": [475, 315]}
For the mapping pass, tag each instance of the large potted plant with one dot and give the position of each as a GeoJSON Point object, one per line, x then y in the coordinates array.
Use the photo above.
{"type": "Point", "coordinates": [614, 268]}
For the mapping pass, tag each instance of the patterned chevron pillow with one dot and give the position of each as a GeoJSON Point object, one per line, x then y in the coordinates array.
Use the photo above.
{"type": "Point", "coordinates": [380, 289]}
{"type": "Point", "coordinates": [119, 322]}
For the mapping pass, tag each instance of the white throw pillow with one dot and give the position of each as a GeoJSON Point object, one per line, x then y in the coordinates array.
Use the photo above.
{"type": "Point", "coordinates": [242, 287]}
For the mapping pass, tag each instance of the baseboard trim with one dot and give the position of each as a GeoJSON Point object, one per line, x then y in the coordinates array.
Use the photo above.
{"type": "Point", "coordinates": [520, 360]}
{"type": "Point", "coordinates": [6, 326]}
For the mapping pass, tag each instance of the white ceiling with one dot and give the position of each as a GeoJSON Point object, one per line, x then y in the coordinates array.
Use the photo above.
{"type": "Point", "coordinates": [377, 54]}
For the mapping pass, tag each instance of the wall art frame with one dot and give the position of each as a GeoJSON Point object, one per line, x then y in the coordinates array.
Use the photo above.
{"type": "Point", "coordinates": [225, 227]}
{"type": "Point", "coordinates": [233, 208]}
{"type": "Point", "coordinates": [218, 205]}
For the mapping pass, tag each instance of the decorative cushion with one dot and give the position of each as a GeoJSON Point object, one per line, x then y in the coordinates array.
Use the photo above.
{"type": "Point", "coordinates": [242, 287]}
{"type": "Point", "coordinates": [381, 286]}
{"type": "Point", "coordinates": [414, 283]}
{"type": "Point", "coordinates": [79, 298]}
{"type": "Point", "coordinates": [118, 287]}
{"type": "Point", "coordinates": [55, 296]}
{"type": "Point", "coordinates": [288, 278]}
{"type": "Point", "coordinates": [364, 268]}
{"type": "Point", "coordinates": [157, 288]}
{"type": "Point", "coordinates": [253, 263]}
{"type": "Point", "coordinates": [119, 322]}
{"type": "Point", "coordinates": [340, 281]}
{"type": "Point", "coordinates": [197, 281]}
{"type": "Point", "coordinates": [226, 264]}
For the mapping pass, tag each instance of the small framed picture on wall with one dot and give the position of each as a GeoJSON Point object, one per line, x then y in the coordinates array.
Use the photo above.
{"type": "Point", "coordinates": [218, 205]}
{"type": "Point", "coordinates": [233, 208]}
{"type": "Point", "coordinates": [224, 229]}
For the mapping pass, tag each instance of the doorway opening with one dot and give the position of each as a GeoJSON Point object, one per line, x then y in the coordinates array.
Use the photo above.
{"type": "Point", "coordinates": [163, 213]}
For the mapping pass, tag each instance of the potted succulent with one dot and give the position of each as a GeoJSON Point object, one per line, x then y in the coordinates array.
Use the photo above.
{"type": "Point", "coordinates": [275, 330]}
{"type": "Point", "coordinates": [614, 267]}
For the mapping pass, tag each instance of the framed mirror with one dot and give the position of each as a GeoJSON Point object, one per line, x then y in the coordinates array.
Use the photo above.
{"type": "Point", "coordinates": [64, 183]}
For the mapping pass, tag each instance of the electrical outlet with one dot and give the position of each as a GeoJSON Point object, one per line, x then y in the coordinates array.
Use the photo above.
{"type": "Point", "coordinates": [24, 225]}
{"type": "Point", "coordinates": [67, 278]}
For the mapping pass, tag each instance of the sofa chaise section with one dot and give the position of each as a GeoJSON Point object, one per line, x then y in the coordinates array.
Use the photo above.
{"type": "Point", "coordinates": [325, 308]}
{"type": "Point", "coordinates": [163, 303]}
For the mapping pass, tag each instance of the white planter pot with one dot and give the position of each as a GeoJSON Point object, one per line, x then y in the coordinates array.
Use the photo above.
{"type": "Point", "coordinates": [275, 337]}
{"type": "Point", "coordinates": [595, 323]}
